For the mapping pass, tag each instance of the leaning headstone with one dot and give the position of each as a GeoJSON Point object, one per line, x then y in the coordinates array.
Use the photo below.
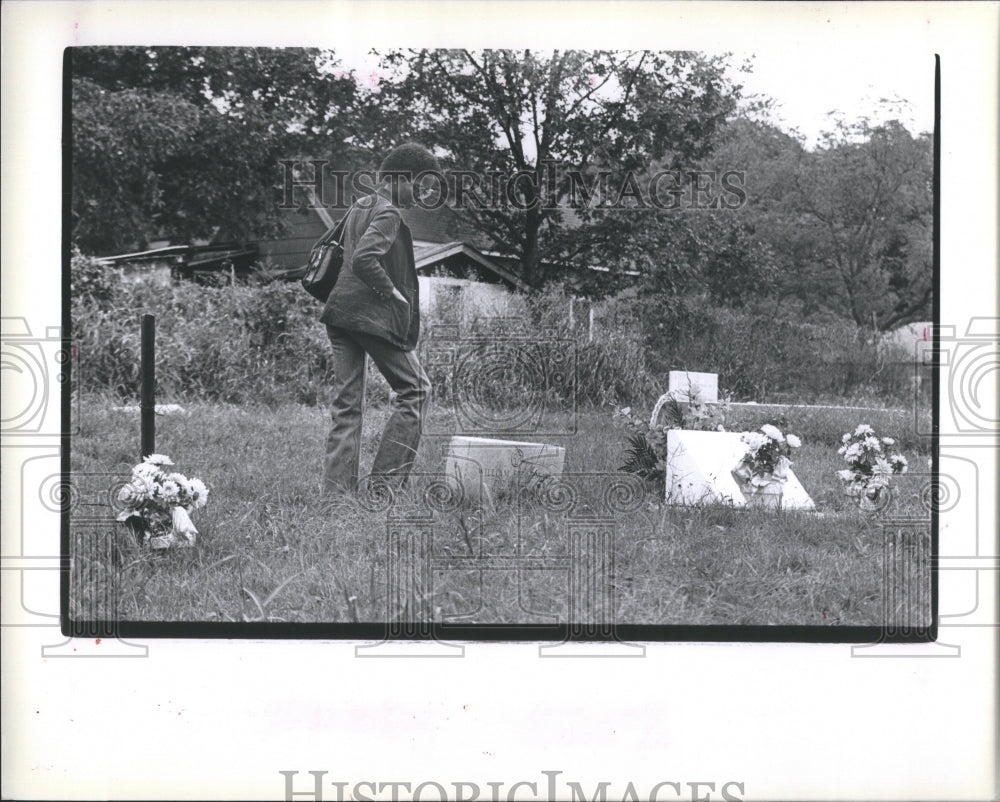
{"type": "Point", "coordinates": [699, 471]}
{"type": "Point", "coordinates": [704, 386]}
{"type": "Point", "coordinates": [484, 466]}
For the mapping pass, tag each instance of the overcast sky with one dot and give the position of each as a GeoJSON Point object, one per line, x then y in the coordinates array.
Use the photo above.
{"type": "Point", "coordinates": [807, 82]}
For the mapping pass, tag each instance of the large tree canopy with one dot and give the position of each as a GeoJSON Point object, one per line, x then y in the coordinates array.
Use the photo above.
{"type": "Point", "coordinates": [182, 141]}
{"type": "Point", "coordinates": [187, 142]}
{"type": "Point", "coordinates": [865, 200]}
{"type": "Point", "coordinates": [524, 112]}
{"type": "Point", "coordinates": [850, 222]}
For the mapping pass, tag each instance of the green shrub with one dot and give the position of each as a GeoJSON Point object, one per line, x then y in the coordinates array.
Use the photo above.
{"type": "Point", "coordinates": [265, 344]}
{"type": "Point", "coordinates": [761, 355]}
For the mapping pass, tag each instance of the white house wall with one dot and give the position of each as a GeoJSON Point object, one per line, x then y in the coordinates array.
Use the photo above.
{"type": "Point", "coordinates": [473, 297]}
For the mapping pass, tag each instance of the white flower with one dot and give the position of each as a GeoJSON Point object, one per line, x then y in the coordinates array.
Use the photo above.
{"type": "Point", "coordinates": [146, 469]}
{"type": "Point", "coordinates": [845, 439]}
{"type": "Point", "coordinates": [199, 492]}
{"type": "Point", "coordinates": [773, 432]}
{"type": "Point", "coordinates": [864, 428]}
{"type": "Point", "coordinates": [753, 439]}
{"type": "Point", "coordinates": [180, 479]}
{"type": "Point", "coordinates": [888, 441]}
{"type": "Point", "coordinates": [899, 463]}
{"type": "Point", "coordinates": [170, 491]}
{"type": "Point", "coordinates": [158, 459]}
{"type": "Point", "coordinates": [882, 470]}
{"type": "Point", "coordinates": [132, 494]}
{"type": "Point", "coordinates": [853, 452]}
{"type": "Point", "coordinates": [846, 476]}
{"type": "Point", "coordinates": [793, 441]}
{"type": "Point", "coordinates": [145, 485]}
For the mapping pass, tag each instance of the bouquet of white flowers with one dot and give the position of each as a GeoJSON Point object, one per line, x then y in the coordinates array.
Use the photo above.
{"type": "Point", "coordinates": [870, 468]}
{"type": "Point", "coordinates": [157, 503]}
{"type": "Point", "coordinates": [766, 461]}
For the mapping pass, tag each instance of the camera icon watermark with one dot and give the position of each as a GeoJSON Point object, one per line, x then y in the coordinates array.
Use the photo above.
{"type": "Point", "coordinates": [68, 542]}
{"type": "Point", "coordinates": [501, 380]}
{"type": "Point", "coordinates": [969, 369]}
{"type": "Point", "coordinates": [37, 369]}
{"type": "Point", "coordinates": [922, 570]}
{"type": "Point", "coordinates": [98, 548]}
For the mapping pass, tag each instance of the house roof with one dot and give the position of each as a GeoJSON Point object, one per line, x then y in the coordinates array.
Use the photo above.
{"type": "Point", "coordinates": [430, 253]}
{"type": "Point", "coordinates": [439, 234]}
{"type": "Point", "coordinates": [441, 225]}
{"type": "Point", "coordinates": [188, 255]}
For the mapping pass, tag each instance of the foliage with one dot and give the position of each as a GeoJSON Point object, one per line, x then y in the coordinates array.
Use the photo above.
{"type": "Point", "coordinates": [269, 532]}
{"type": "Point", "coordinates": [641, 459]}
{"type": "Point", "coordinates": [524, 112]}
{"type": "Point", "coordinates": [91, 282]}
{"type": "Point", "coordinates": [849, 223]}
{"type": "Point", "coordinates": [762, 352]}
{"type": "Point", "coordinates": [183, 142]}
{"type": "Point", "coordinates": [688, 410]}
{"type": "Point", "coordinates": [646, 451]}
{"type": "Point", "coordinates": [247, 343]}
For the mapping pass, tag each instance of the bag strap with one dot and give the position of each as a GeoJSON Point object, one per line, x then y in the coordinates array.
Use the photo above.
{"type": "Point", "coordinates": [336, 233]}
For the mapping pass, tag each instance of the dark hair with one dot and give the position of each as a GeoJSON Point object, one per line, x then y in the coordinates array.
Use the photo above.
{"type": "Point", "coordinates": [411, 158]}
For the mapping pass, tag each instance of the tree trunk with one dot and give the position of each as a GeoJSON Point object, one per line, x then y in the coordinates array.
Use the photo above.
{"type": "Point", "coordinates": [532, 269]}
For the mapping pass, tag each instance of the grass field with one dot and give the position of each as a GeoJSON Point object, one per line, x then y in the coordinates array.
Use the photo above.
{"type": "Point", "coordinates": [271, 549]}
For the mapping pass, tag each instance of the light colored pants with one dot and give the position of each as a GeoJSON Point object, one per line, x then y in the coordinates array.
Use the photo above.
{"type": "Point", "coordinates": [401, 436]}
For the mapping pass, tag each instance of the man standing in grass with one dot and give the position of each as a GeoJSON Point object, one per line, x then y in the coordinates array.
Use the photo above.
{"type": "Point", "coordinates": [374, 309]}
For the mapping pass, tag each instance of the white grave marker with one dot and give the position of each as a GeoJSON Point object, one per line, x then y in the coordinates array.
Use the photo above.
{"type": "Point", "coordinates": [481, 462]}
{"type": "Point", "coordinates": [699, 471]}
{"type": "Point", "coordinates": [704, 385]}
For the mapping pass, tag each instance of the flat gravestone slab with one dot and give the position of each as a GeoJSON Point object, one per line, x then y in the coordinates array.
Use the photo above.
{"type": "Point", "coordinates": [484, 466]}
{"type": "Point", "coordinates": [705, 385]}
{"type": "Point", "coordinates": [699, 471]}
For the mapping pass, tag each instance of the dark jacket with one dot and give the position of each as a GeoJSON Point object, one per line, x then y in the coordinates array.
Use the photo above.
{"type": "Point", "coordinates": [378, 255]}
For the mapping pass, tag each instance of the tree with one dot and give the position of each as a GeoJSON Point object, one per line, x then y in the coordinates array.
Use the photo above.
{"type": "Point", "coordinates": [521, 114]}
{"type": "Point", "coordinates": [849, 223]}
{"type": "Point", "coordinates": [859, 216]}
{"type": "Point", "coordinates": [184, 141]}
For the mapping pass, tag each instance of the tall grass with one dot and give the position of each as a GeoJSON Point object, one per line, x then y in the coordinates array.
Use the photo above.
{"type": "Point", "coordinates": [271, 548]}
{"type": "Point", "coordinates": [251, 366]}
{"type": "Point", "coordinates": [763, 355]}
{"type": "Point", "coordinates": [243, 344]}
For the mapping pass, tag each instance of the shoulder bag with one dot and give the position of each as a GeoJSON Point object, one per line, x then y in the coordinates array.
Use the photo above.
{"type": "Point", "coordinates": [325, 261]}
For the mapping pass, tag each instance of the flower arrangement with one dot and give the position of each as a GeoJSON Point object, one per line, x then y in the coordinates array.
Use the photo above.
{"type": "Point", "coordinates": [870, 469]}
{"type": "Point", "coordinates": [646, 452]}
{"type": "Point", "coordinates": [687, 410]}
{"type": "Point", "coordinates": [157, 503]}
{"type": "Point", "coordinates": [766, 461]}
